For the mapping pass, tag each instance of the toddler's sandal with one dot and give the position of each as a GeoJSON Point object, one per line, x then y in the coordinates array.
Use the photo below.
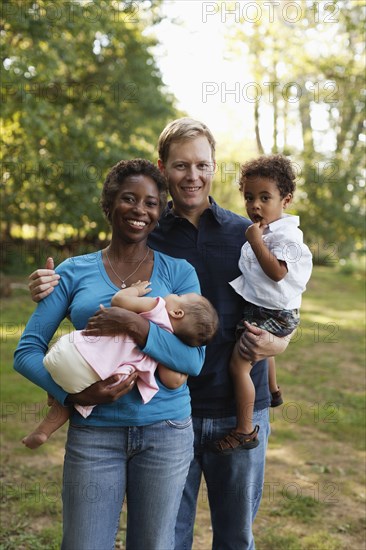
{"type": "Point", "coordinates": [276, 400]}
{"type": "Point", "coordinates": [236, 441]}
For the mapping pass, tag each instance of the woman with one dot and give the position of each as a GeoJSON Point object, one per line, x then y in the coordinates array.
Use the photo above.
{"type": "Point", "coordinates": [124, 447]}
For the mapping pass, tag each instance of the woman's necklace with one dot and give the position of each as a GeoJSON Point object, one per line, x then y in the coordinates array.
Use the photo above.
{"type": "Point", "coordinates": [123, 281]}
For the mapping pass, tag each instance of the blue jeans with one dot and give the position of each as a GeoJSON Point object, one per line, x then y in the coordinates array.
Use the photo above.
{"type": "Point", "coordinates": [149, 464]}
{"type": "Point", "coordinates": [234, 485]}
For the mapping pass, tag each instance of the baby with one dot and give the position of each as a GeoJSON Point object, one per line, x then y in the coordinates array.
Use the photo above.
{"type": "Point", "coordinates": [75, 362]}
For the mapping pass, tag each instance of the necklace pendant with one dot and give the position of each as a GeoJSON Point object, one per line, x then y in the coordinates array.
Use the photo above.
{"type": "Point", "coordinates": [123, 281]}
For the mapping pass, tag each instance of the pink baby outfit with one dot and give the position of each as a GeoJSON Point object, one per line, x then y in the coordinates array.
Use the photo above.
{"type": "Point", "coordinates": [108, 355]}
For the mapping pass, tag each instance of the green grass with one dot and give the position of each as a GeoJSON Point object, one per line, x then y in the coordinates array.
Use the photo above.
{"type": "Point", "coordinates": [314, 497]}
{"type": "Point", "coordinates": [322, 368]}
{"type": "Point", "coordinates": [315, 462]}
{"type": "Point", "coordinates": [304, 508]}
{"type": "Point", "coordinates": [277, 538]}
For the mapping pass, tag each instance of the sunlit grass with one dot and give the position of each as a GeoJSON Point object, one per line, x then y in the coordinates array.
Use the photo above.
{"type": "Point", "coordinates": [316, 446]}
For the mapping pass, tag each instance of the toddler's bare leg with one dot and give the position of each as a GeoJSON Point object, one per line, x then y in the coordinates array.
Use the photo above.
{"type": "Point", "coordinates": [56, 417]}
{"type": "Point", "coordinates": [244, 436]}
{"type": "Point", "coordinates": [244, 392]}
{"type": "Point", "coordinates": [272, 379]}
{"type": "Point", "coordinates": [170, 378]}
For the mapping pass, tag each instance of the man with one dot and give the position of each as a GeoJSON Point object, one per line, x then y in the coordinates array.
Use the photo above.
{"type": "Point", "coordinates": [194, 227]}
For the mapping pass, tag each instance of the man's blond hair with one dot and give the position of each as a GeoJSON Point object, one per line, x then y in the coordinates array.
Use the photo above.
{"type": "Point", "coordinates": [183, 129]}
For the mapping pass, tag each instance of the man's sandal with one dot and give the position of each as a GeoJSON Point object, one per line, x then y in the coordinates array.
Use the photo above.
{"type": "Point", "coordinates": [236, 441]}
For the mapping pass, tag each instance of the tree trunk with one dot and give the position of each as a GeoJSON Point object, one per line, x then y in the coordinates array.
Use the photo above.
{"type": "Point", "coordinates": [257, 132]}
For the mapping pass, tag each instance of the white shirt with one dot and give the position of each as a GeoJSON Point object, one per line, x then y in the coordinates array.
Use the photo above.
{"type": "Point", "coordinates": [285, 240]}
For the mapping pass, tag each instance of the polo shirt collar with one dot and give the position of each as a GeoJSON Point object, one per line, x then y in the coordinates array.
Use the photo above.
{"type": "Point", "coordinates": [217, 212]}
{"type": "Point", "coordinates": [168, 217]}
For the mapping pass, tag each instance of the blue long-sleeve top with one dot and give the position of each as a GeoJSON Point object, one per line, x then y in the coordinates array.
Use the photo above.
{"type": "Point", "coordinates": [83, 286]}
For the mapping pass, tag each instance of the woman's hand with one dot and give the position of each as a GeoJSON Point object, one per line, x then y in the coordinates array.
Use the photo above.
{"type": "Point", "coordinates": [112, 321]}
{"type": "Point", "coordinates": [256, 344]}
{"type": "Point", "coordinates": [43, 281]}
{"type": "Point", "coordinates": [105, 391]}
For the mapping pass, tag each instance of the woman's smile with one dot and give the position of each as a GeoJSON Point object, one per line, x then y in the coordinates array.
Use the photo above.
{"type": "Point", "coordinates": [136, 223]}
{"type": "Point", "coordinates": [136, 207]}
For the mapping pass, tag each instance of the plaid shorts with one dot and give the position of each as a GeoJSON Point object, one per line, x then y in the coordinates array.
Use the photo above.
{"type": "Point", "coordinates": [279, 322]}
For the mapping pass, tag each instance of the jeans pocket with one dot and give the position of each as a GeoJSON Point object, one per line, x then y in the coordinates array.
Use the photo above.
{"type": "Point", "coordinates": [180, 424]}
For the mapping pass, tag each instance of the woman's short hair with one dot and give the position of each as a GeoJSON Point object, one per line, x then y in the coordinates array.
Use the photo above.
{"type": "Point", "coordinates": [183, 129]}
{"type": "Point", "coordinates": [120, 171]}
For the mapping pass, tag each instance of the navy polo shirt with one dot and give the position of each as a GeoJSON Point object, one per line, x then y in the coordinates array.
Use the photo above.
{"type": "Point", "coordinates": [213, 249]}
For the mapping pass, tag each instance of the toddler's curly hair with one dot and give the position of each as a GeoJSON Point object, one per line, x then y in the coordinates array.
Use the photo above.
{"type": "Point", "coordinates": [274, 167]}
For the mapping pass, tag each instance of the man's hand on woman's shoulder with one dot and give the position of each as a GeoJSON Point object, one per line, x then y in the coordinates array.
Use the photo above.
{"type": "Point", "coordinates": [43, 281]}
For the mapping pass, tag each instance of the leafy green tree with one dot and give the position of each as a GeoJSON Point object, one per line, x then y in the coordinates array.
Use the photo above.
{"type": "Point", "coordinates": [80, 91]}
{"type": "Point", "coordinates": [307, 59]}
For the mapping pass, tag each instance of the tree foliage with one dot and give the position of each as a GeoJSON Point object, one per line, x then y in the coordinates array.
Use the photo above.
{"type": "Point", "coordinates": [80, 91]}
{"type": "Point", "coordinates": [308, 60]}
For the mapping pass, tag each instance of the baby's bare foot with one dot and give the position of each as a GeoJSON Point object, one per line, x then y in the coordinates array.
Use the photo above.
{"type": "Point", "coordinates": [35, 440]}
